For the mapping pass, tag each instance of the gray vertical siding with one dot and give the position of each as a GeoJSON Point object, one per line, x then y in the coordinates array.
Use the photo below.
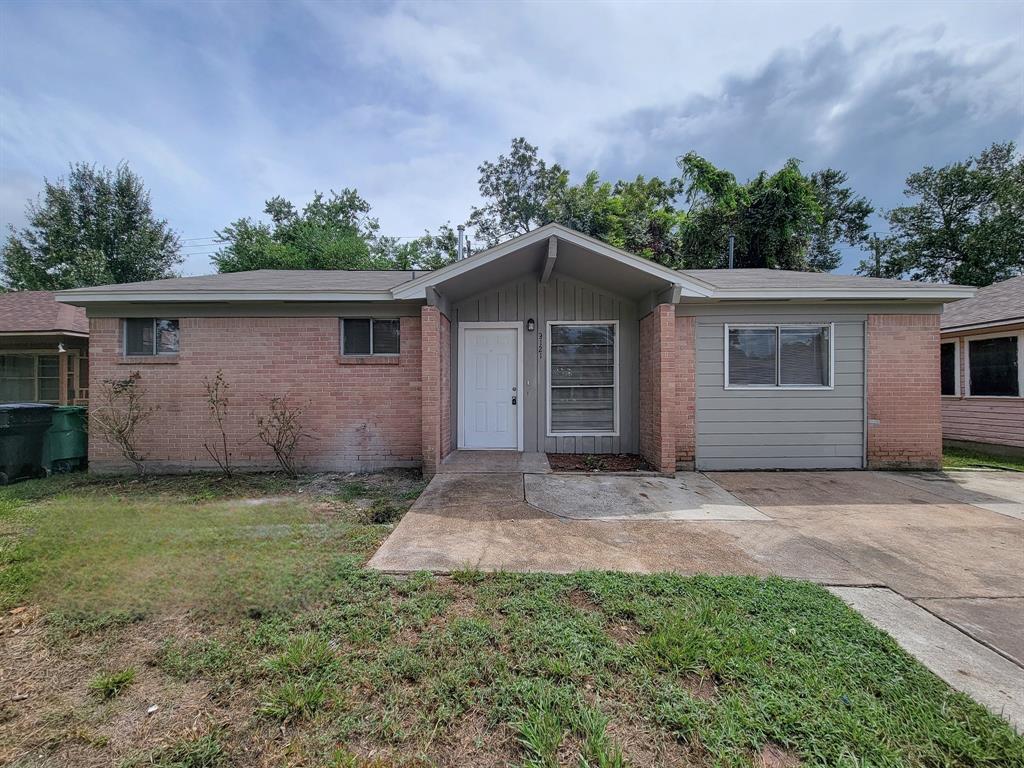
{"type": "Point", "coordinates": [560, 299]}
{"type": "Point", "coordinates": [780, 429]}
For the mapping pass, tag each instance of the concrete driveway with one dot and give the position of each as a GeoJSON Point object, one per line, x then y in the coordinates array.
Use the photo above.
{"type": "Point", "coordinates": [953, 542]}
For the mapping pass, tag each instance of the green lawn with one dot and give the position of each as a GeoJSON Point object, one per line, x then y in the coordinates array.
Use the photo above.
{"type": "Point", "coordinates": [959, 458]}
{"type": "Point", "coordinates": [240, 609]}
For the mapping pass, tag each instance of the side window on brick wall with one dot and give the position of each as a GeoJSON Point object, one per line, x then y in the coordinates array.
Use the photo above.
{"type": "Point", "coordinates": [365, 336]}
{"type": "Point", "coordinates": [145, 336]}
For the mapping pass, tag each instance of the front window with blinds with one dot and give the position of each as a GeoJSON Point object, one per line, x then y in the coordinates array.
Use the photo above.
{"type": "Point", "coordinates": [778, 356]}
{"type": "Point", "coordinates": [582, 378]}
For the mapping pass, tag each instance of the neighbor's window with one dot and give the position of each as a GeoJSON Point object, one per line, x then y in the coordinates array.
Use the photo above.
{"type": "Point", "coordinates": [779, 356]}
{"type": "Point", "coordinates": [950, 374]}
{"type": "Point", "coordinates": [370, 337]}
{"type": "Point", "coordinates": [34, 378]}
{"type": "Point", "coordinates": [150, 336]}
{"type": "Point", "coordinates": [582, 364]}
{"type": "Point", "coordinates": [993, 364]}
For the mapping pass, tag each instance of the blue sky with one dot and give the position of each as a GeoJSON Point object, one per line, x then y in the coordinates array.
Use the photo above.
{"type": "Point", "coordinates": [221, 105]}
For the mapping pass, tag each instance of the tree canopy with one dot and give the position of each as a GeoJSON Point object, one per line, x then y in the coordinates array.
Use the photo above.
{"type": "Point", "coordinates": [92, 228]}
{"type": "Point", "coordinates": [966, 225]}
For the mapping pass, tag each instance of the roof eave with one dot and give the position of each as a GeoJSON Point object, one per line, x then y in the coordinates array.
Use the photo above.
{"type": "Point", "coordinates": [936, 294]}
{"type": "Point", "coordinates": [85, 298]}
{"type": "Point", "coordinates": [981, 324]}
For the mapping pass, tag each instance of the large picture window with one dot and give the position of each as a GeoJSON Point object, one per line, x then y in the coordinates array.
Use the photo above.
{"type": "Point", "coordinates": [583, 378]}
{"type": "Point", "coordinates": [145, 336]}
{"type": "Point", "coordinates": [949, 360]}
{"type": "Point", "coordinates": [994, 366]}
{"type": "Point", "coordinates": [35, 378]}
{"type": "Point", "coordinates": [370, 337]}
{"type": "Point", "coordinates": [778, 356]}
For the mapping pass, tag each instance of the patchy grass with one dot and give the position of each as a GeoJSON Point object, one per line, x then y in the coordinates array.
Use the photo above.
{"type": "Point", "coordinates": [251, 626]}
{"type": "Point", "coordinates": [959, 458]}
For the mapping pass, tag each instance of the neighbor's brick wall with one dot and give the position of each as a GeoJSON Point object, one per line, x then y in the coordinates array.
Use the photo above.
{"type": "Point", "coordinates": [686, 391]}
{"type": "Point", "coordinates": [363, 416]}
{"type": "Point", "coordinates": [659, 411]}
{"type": "Point", "coordinates": [436, 377]}
{"type": "Point", "coordinates": [904, 405]}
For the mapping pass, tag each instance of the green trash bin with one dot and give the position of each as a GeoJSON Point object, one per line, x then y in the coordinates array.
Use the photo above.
{"type": "Point", "coordinates": [65, 447]}
{"type": "Point", "coordinates": [22, 429]}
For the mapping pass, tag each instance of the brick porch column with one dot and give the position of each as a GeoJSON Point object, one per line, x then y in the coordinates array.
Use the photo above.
{"type": "Point", "coordinates": [430, 388]}
{"type": "Point", "coordinates": [659, 371]}
{"type": "Point", "coordinates": [435, 362]}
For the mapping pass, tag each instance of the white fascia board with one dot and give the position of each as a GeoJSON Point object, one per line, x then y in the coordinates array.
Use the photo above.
{"type": "Point", "coordinates": [982, 325]}
{"type": "Point", "coordinates": [946, 293]}
{"type": "Point", "coordinates": [416, 289]}
{"type": "Point", "coordinates": [110, 297]}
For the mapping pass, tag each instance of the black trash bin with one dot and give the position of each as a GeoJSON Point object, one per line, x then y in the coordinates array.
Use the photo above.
{"type": "Point", "coordinates": [22, 428]}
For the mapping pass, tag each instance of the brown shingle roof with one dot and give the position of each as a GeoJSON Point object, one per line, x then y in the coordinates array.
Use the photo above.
{"type": "Point", "coordinates": [993, 304]}
{"type": "Point", "coordinates": [38, 311]}
{"type": "Point", "coordinates": [271, 280]}
{"type": "Point", "coordinates": [786, 278]}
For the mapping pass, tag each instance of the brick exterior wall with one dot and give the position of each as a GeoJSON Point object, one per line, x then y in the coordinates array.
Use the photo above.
{"type": "Point", "coordinates": [904, 405]}
{"type": "Point", "coordinates": [686, 392]}
{"type": "Point", "coordinates": [365, 413]}
{"type": "Point", "coordinates": [436, 376]}
{"type": "Point", "coordinates": [658, 374]}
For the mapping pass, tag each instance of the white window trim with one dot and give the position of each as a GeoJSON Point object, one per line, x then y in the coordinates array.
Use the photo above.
{"type": "Point", "coordinates": [371, 353]}
{"type": "Point", "coordinates": [778, 358]}
{"type": "Point", "coordinates": [156, 353]}
{"type": "Point", "coordinates": [460, 437]}
{"type": "Point", "coordinates": [616, 390]}
{"type": "Point", "coordinates": [1020, 364]}
{"type": "Point", "coordinates": [956, 366]}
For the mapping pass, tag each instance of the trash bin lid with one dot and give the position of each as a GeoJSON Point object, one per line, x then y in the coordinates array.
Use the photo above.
{"type": "Point", "coordinates": [26, 406]}
{"type": "Point", "coordinates": [68, 408]}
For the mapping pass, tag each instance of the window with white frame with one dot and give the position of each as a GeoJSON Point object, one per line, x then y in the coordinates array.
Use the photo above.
{"type": "Point", "coordinates": [993, 365]}
{"type": "Point", "coordinates": [146, 336]}
{"type": "Point", "coordinates": [950, 367]}
{"type": "Point", "coordinates": [583, 378]}
{"type": "Point", "coordinates": [365, 336]}
{"type": "Point", "coordinates": [778, 356]}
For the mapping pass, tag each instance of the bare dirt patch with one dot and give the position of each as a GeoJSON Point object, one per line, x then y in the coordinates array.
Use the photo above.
{"type": "Point", "coordinates": [598, 462]}
{"type": "Point", "coordinates": [774, 756]}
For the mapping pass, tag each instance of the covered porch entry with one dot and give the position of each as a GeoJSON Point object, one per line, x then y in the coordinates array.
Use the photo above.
{"type": "Point", "coordinates": [539, 345]}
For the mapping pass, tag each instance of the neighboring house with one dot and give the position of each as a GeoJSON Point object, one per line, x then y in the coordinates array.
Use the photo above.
{"type": "Point", "coordinates": [983, 369]}
{"type": "Point", "coordinates": [552, 341]}
{"type": "Point", "coordinates": [42, 343]}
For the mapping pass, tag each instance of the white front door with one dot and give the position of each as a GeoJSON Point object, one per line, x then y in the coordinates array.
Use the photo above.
{"type": "Point", "coordinates": [489, 383]}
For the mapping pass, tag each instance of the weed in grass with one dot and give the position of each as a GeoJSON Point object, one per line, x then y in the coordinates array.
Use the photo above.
{"type": "Point", "coordinates": [294, 699]}
{"type": "Point", "coordinates": [109, 685]}
{"type": "Point", "coordinates": [383, 512]}
{"type": "Point", "coordinates": [197, 658]}
{"type": "Point", "coordinates": [307, 655]}
{"type": "Point", "coordinates": [598, 751]}
{"type": "Point", "coordinates": [201, 752]}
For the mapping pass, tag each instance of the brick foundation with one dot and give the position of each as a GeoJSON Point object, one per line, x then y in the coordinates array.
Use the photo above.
{"type": "Point", "coordinates": [659, 369]}
{"type": "Point", "coordinates": [904, 404]}
{"type": "Point", "coordinates": [365, 415]}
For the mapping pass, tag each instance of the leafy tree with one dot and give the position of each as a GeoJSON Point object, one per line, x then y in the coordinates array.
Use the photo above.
{"type": "Point", "coordinates": [843, 218]}
{"type": "Point", "coordinates": [425, 252]}
{"type": "Point", "coordinates": [967, 225]}
{"type": "Point", "coordinates": [92, 228]}
{"type": "Point", "coordinates": [334, 232]}
{"type": "Point", "coordinates": [883, 259]}
{"type": "Point", "coordinates": [517, 188]}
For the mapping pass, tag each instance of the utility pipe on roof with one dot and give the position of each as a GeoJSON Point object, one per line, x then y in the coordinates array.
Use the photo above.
{"type": "Point", "coordinates": [461, 252]}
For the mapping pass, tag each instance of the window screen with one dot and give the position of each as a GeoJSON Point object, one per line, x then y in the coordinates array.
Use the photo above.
{"type": "Point", "coordinates": [993, 364]}
{"type": "Point", "coordinates": [752, 356]}
{"type": "Point", "coordinates": [370, 337]}
{"type": "Point", "coordinates": [17, 378]}
{"type": "Point", "coordinates": [948, 366]}
{"type": "Point", "coordinates": [780, 356]}
{"type": "Point", "coordinates": [48, 367]}
{"type": "Point", "coordinates": [582, 377]}
{"type": "Point", "coordinates": [150, 336]}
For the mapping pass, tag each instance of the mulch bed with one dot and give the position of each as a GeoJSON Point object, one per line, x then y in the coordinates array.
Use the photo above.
{"type": "Point", "coordinates": [598, 462]}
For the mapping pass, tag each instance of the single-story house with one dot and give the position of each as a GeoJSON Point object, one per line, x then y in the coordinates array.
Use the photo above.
{"type": "Point", "coordinates": [983, 369]}
{"type": "Point", "coordinates": [552, 341]}
{"type": "Point", "coordinates": [42, 343]}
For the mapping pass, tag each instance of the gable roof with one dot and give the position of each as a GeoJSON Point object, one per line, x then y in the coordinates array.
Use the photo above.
{"type": "Point", "coordinates": [995, 304]}
{"type": "Point", "coordinates": [583, 255]}
{"type": "Point", "coordinates": [39, 312]}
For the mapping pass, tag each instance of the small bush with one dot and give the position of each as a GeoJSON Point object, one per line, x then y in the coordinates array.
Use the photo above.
{"type": "Point", "coordinates": [108, 686]}
{"type": "Point", "coordinates": [305, 655]}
